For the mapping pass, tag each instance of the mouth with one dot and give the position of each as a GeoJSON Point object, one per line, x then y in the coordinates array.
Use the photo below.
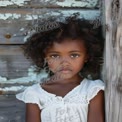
{"type": "Point", "coordinates": [65, 70]}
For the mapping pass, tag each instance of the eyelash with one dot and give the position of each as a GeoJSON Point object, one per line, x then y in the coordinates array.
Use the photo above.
{"type": "Point", "coordinates": [72, 56]}
{"type": "Point", "coordinates": [54, 56]}
{"type": "Point", "coordinates": [75, 55]}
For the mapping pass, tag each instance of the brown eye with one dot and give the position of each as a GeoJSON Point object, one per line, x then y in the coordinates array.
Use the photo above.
{"type": "Point", "coordinates": [54, 56]}
{"type": "Point", "coordinates": [74, 55]}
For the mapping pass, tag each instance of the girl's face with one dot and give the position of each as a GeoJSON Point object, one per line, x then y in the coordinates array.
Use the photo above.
{"type": "Point", "coordinates": [66, 58]}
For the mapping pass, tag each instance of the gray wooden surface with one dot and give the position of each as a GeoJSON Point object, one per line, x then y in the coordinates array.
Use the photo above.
{"type": "Point", "coordinates": [11, 110]}
{"type": "Point", "coordinates": [13, 63]}
{"type": "Point", "coordinates": [16, 23]}
{"type": "Point", "coordinates": [113, 60]}
{"type": "Point", "coordinates": [16, 20]}
{"type": "Point", "coordinates": [50, 3]}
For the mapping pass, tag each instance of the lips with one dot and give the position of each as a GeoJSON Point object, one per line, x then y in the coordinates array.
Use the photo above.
{"type": "Point", "coordinates": [65, 70]}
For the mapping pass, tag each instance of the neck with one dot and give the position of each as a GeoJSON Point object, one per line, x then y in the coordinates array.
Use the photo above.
{"type": "Point", "coordinates": [74, 80]}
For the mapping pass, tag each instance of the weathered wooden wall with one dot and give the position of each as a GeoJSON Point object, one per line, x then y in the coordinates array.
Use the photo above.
{"type": "Point", "coordinates": [11, 110]}
{"type": "Point", "coordinates": [16, 17]}
{"type": "Point", "coordinates": [16, 20]}
{"type": "Point", "coordinates": [113, 60]}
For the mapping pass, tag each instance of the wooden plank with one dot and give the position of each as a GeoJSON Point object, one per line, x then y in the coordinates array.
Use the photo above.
{"type": "Point", "coordinates": [50, 3]}
{"type": "Point", "coordinates": [17, 24]}
{"type": "Point", "coordinates": [10, 50]}
{"type": "Point", "coordinates": [120, 110]}
{"type": "Point", "coordinates": [11, 110]}
{"type": "Point", "coordinates": [113, 60]}
{"type": "Point", "coordinates": [13, 64]}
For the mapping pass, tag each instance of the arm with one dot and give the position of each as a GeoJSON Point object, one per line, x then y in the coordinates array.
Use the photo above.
{"type": "Point", "coordinates": [32, 113]}
{"type": "Point", "coordinates": [96, 111]}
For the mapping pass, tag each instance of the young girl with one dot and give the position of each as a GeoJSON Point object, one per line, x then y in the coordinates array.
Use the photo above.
{"type": "Point", "coordinates": [70, 52]}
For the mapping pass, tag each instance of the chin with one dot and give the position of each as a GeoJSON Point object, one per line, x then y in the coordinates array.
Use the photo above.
{"type": "Point", "coordinates": [65, 76]}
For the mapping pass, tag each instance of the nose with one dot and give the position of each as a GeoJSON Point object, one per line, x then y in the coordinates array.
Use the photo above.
{"type": "Point", "coordinates": [64, 60]}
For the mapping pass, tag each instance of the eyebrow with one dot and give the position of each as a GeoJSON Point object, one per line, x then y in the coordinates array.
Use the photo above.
{"type": "Point", "coordinates": [69, 51]}
{"type": "Point", "coordinates": [75, 51]}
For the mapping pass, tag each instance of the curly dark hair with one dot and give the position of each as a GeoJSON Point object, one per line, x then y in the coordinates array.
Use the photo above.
{"type": "Point", "coordinates": [73, 28]}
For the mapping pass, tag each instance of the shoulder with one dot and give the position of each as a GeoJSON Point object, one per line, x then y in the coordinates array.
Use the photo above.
{"type": "Point", "coordinates": [34, 89]}
{"type": "Point", "coordinates": [92, 87]}
{"type": "Point", "coordinates": [91, 84]}
{"type": "Point", "coordinates": [30, 95]}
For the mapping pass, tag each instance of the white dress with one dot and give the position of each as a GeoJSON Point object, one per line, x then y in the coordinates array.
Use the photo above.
{"type": "Point", "coordinates": [73, 107]}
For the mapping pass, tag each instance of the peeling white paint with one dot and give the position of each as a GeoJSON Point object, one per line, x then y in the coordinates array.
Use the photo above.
{"type": "Point", "coordinates": [90, 15]}
{"type": "Point", "coordinates": [12, 2]}
{"type": "Point", "coordinates": [28, 34]}
{"type": "Point", "coordinates": [10, 16]}
{"type": "Point", "coordinates": [21, 80]}
{"type": "Point", "coordinates": [87, 14]}
{"type": "Point", "coordinates": [74, 3]}
{"type": "Point", "coordinates": [3, 79]}
{"type": "Point", "coordinates": [13, 88]}
{"type": "Point", "coordinates": [32, 77]}
{"type": "Point", "coordinates": [36, 76]}
{"type": "Point", "coordinates": [31, 17]}
{"type": "Point", "coordinates": [65, 3]}
{"type": "Point", "coordinates": [22, 29]}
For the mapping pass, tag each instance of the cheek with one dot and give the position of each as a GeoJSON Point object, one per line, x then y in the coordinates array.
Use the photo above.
{"type": "Point", "coordinates": [78, 65]}
{"type": "Point", "coordinates": [52, 64]}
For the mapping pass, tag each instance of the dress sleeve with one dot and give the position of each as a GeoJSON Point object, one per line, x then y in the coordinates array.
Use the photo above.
{"type": "Point", "coordinates": [94, 88]}
{"type": "Point", "coordinates": [29, 95]}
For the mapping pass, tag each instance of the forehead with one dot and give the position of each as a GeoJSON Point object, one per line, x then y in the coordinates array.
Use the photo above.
{"type": "Point", "coordinates": [68, 45]}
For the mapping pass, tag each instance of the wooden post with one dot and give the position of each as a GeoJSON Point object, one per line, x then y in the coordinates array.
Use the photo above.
{"type": "Point", "coordinates": [113, 60]}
